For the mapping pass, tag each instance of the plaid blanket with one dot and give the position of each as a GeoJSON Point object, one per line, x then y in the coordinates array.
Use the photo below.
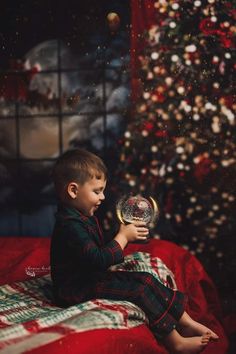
{"type": "Point", "coordinates": [143, 262]}
{"type": "Point", "coordinates": [29, 319]}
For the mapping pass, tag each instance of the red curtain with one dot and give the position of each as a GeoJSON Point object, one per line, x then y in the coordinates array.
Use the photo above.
{"type": "Point", "coordinates": [142, 18]}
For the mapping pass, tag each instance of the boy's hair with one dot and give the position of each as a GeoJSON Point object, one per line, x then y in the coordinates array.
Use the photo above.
{"type": "Point", "coordinates": [79, 166]}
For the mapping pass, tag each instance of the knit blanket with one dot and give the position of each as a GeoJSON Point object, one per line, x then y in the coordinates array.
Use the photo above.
{"type": "Point", "coordinates": [28, 318]}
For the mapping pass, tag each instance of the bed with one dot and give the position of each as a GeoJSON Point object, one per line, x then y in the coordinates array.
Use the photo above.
{"type": "Point", "coordinates": [30, 323]}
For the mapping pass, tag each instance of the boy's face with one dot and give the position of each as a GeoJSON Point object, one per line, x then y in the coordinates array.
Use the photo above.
{"type": "Point", "coordinates": [89, 196]}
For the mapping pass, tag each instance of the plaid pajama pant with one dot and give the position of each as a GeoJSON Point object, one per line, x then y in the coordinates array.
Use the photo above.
{"type": "Point", "coordinates": [162, 305]}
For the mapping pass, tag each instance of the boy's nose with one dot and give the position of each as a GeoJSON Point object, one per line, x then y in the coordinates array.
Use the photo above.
{"type": "Point", "coordinates": [102, 196]}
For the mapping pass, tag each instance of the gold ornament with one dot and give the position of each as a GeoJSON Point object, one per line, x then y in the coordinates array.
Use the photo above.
{"type": "Point", "coordinates": [113, 20]}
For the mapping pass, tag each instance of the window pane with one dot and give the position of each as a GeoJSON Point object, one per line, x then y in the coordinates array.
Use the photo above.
{"type": "Point", "coordinates": [9, 216]}
{"type": "Point", "coordinates": [84, 91]}
{"type": "Point", "coordinates": [84, 130]}
{"type": "Point", "coordinates": [42, 95]}
{"type": "Point", "coordinates": [7, 108]}
{"type": "Point", "coordinates": [35, 185]}
{"type": "Point", "coordinates": [75, 130]}
{"type": "Point", "coordinates": [8, 94]}
{"type": "Point", "coordinates": [32, 224]}
{"type": "Point", "coordinates": [9, 222]}
{"type": "Point", "coordinates": [8, 146]}
{"type": "Point", "coordinates": [105, 130]}
{"type": "Point", "coordinates": [39, 137]}
{"type": "Point", "coordinates": [97, 136]}
{"type": "Point", "coordinates": [117, 90]}
{"type": "Point", "coordinates": [44, 56]}
{"type": "Point", "coordinates": [8, 183]}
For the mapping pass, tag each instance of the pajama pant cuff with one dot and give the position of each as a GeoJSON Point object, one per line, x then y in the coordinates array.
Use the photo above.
{"type": "Point", "coordinates": [164, 326]}
{"type": "Point", "coordinates": [178, 306]}
{"type": "Point", "coordinates": [169, 319]}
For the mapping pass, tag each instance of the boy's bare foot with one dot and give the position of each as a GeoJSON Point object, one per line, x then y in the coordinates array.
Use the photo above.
{"type": "Point", "coordinates": [189, 328]}
{"type": "Point", "coordinates": [191, 345]}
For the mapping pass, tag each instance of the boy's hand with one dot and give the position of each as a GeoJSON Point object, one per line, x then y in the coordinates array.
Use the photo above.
{"type": "Point", "coordinates": [136, 231]}
{"type": "Point", "coordinates": [132, 232]}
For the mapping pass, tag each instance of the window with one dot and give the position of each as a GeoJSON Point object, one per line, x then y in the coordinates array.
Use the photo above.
{"type": "Point", "coordinates": [55, 99]}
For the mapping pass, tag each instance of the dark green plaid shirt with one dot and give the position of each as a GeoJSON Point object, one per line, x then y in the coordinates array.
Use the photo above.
{"type": "Point", "coordinates": [78, 249]}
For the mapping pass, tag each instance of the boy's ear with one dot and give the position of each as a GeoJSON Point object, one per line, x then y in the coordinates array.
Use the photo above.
{"type": "Point", "coordinates": [72, 189]}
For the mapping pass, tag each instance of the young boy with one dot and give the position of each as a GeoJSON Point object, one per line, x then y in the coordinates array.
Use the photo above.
{"type": "Point", "coordinates": [80, 257]}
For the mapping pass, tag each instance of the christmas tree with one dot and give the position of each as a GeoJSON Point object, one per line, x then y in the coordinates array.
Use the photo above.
{"type": "Point", "coordinates": [179, 146]}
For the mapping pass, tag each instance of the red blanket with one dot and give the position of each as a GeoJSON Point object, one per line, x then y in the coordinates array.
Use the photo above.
{"type": "Point", "coordinates": [28, 259]}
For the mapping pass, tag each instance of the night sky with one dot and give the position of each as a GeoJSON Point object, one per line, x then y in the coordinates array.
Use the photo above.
{"type": "Point", "coordinates": [26, 23]}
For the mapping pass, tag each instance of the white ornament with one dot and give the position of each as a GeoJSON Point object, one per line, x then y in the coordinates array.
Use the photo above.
{"type": "Point", "coordinates": [181, 90]}
{"type": "Point", "coordinates": [175, 6]}
{"type": "Point", "coordinates": [180, 166]}
{"type": "Point", "coordinates": [179, 149]}
{"type": "Point", "coordinates": [127, 134]}
{"type": "Point", "coordinates": [196, 117]}
{"type": "Point", "coordinates": [154, 148]}
{"type": "Point", "coordinates": [172, 24]}
{"type": "Point", "coordinates": [174, 58]}
{"type": "Point", "coordinates": [146, 95]}
{"type": "Point", "coordinates": [168, 81]}
{"type": "Point", "coordinates": [197, 3]}
{"type": "Point", "coordinates": [190, 48]}
{"type": "Point", "coordinates": [213, 19]}
{"type": "Point", "coordinates": [154, 55]}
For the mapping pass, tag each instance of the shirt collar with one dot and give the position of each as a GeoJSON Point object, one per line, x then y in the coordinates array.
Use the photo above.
{"type": "Point", "coordinates": [68, 212]}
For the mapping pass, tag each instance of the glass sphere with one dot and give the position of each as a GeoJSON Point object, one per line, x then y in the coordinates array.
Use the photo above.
{"type": "Point", "coordinates": [132, 208]}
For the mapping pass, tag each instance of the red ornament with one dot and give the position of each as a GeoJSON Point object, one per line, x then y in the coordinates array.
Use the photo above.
{"type": "Point", "coordinates": [228, 101]}
{"type": "Point", "coordinates": [148, 126]}
{"type": "Point", "coordinates": [225, 36]}
{"type": "Point", "coordinates": [207, 26]}
{"type": "Point", "coordinates": [227, 40]}
{"type": "Point", "coordinates": [161, 133]}
{"type": "Point", "coordinates": [159, 95]}
{"type": "Point", "coordinates": [202, 169]}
